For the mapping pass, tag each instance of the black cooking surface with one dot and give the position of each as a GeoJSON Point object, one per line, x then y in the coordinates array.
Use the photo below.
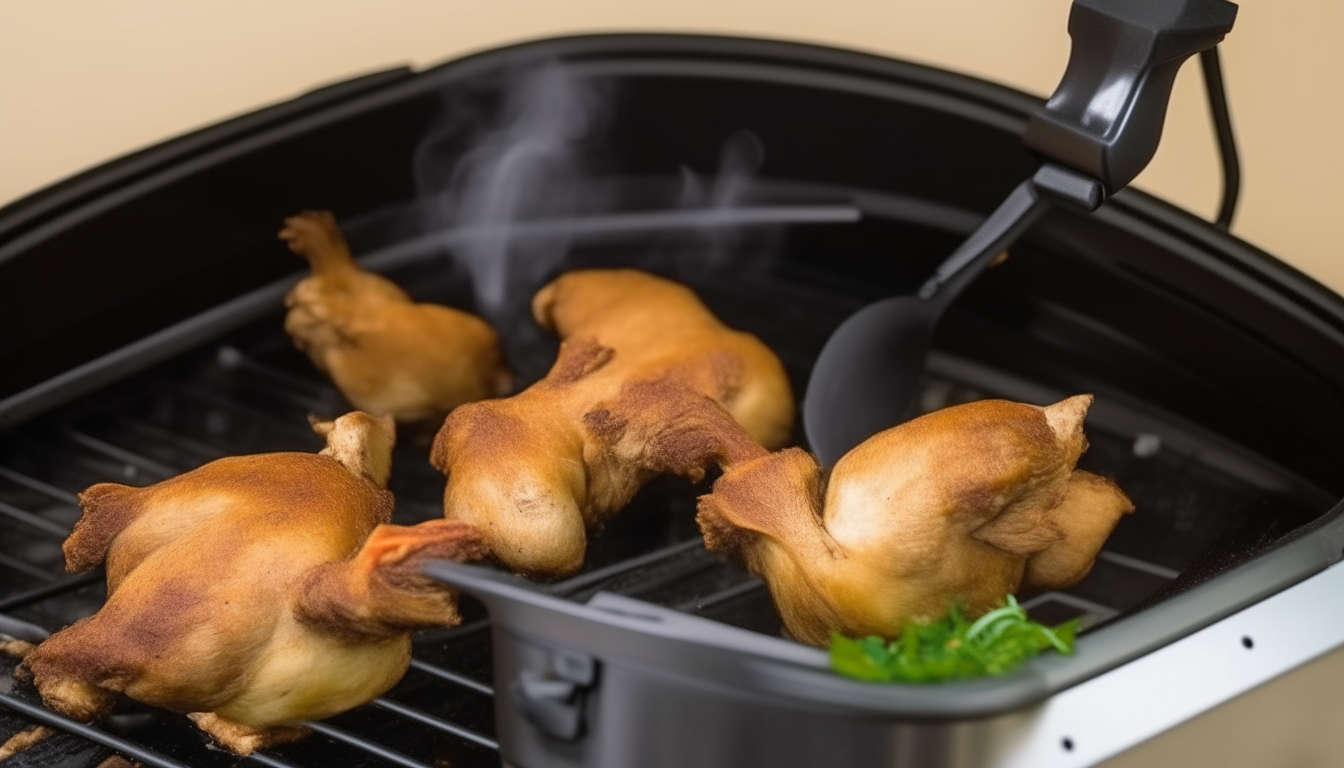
{"type": "Point", "coordinates": [252, 393]}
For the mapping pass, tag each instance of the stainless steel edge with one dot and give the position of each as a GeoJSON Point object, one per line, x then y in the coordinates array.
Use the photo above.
{"type": "Point", "coordinates": [1110, 713]}
{"type": "Point", "coordinates": [1078, 726]}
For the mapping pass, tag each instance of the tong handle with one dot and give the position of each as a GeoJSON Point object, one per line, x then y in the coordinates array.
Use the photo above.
{"type": "Point", "coordinates": [1105, 118]}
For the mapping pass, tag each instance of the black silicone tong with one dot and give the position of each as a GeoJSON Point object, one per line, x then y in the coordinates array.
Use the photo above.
{"type": "Point", "coordinates": [1099, 129]}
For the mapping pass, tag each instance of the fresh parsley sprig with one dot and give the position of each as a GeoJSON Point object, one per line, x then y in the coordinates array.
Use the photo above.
{"type": "Point", "coordinates": [951, 649]}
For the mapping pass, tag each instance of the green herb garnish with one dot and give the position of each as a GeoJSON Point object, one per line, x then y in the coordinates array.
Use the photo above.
{"type": "Point", "coordinates": [951, 649]}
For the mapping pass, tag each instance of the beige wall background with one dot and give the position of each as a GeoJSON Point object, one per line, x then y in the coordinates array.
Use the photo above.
{"type": "Point", "coordinates": [82, 81]}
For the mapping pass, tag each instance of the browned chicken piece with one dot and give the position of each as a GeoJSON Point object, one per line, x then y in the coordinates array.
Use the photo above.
{"type": "Point", "coordinates": [16, 648]}
{"type": "Point", "coordinates": [23, 740]}
{"type": "Point", "coordinates": [965, 505]}
{"type": "Point", "coordinates": [644, 374]}
{"type": "Point", "coordinates": [386, 353]}
{"type": "Point", "coordinates": [253, 593]}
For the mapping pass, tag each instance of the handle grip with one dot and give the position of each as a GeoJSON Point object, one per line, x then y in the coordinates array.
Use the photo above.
{"type": "Point", "coordinates": [1105, 118]}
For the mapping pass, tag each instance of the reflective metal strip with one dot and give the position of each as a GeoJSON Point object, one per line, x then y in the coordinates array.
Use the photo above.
{"type": "Point", "coordinates": [1134, 563]}
{"type": "Point", "coordinates": [443, 725]}
{"type": "Point", "coordinates": [452, 677]}
{"type": "Point", "coordinates": [1106, 715]}
{"type": "Point", "coordinates": [60, 494]}
{"type": "Point", "coordinates": [42, 593]}
{"type": "Point", "coordinates": [54, 720]}
{"type": "Point", "coordinates": [35, 521]}
{"type": "Point", "coordinates": [367, 746]}
{"type": "Point", "coordinates": [258, 757]}
{"type": "Point", "coordinates": [121, 454]}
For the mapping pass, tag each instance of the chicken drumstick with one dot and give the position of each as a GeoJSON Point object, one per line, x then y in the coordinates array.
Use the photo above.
{"type": "Point", "coordinates": [386, 353]}
{"type": "Point", "coordinates": [252, 593]}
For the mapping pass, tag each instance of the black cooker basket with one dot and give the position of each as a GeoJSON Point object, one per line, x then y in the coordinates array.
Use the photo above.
{"type": "Point", "coordinates": [1238, 357]}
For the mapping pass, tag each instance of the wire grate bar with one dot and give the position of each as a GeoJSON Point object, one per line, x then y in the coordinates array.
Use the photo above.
{"type": "Point", "coordinates": [121, 454]}
{"type": "Point", "coordinates": [37, 594]}
{"type": "Point", "coordinates": [570, 586]}
{"type": "Point", "coordinates": [303, 389]}
{"type": "Point", "coordinates": [722, 596]}
{"type": "Point", "coordinates": [21, 566]}
{"type": "Point", "coordinates": [1097, 610]}
{"type": "Point", "coordinates": [126, 748]}
{"type": "Point", "coordinates": [624, 222]}
{"type": "Point", "coordinates": [255, 414]}
{"type": "Point", "coordinates": [434, 722]}
{"type": "Point", "coordinates": [169, 436]}
{"type": "Point", "coordinates": [367, 746]}
{"type": "Point", "coordinates": [35, 521]}
{"type": "Point", "coordinates": [1136, 564]}
{"type": "Point", "coordinates": [59, 494]}
{"type": "Point", "coordinates": [452, 677]}
{"type": "Point", "coordinates": [22, 630]}
{"type": "Point", "coordinates": [288, 398]}
{"type": "Point", "coordinates": [258, 757]}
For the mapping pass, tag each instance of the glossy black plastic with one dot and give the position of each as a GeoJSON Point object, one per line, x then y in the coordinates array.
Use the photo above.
{"type": "Point", "coordinates": [1105, 120]}
{"type": "Point", "coordinates": [1105, 117]}
{"type": "Point", "coordinates": [868, 375]}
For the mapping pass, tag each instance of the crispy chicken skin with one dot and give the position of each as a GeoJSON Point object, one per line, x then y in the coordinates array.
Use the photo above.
{"type": "Point", "coordinates": [254, 592]}
{"type": "Point", "coordinates": [967, 504]}
{"type": "Point", "coordinates": [659, 329]}
{"type": "Point", "coordinates": [647, 382]}
{"type": "Point", "coordinates": [386, 353]}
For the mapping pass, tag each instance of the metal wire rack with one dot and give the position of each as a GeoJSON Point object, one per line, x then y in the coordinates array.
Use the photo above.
{"type": "Point", "coordinates": [253, 393]}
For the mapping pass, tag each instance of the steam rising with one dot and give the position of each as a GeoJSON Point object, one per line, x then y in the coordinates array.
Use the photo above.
{"type": "Point", "coordinates": [511, 205]}
{"type": "Point", "coordinates": [529, 167]}
{"type": "Point", "coordinates": [740, 160]}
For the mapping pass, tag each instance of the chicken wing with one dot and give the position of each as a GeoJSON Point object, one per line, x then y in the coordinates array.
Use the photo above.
{"type": "Point", "coordinates": [386, 353]}
{"type": "Point", "coordinates": [963, 505]}
{"type": "Point", "coordinates": [647, 382]}
{"type": "Point", "coordinates": [253, 593]}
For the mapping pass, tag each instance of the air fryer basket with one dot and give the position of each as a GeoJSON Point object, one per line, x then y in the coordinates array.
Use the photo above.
{"type": "Point", "coordinates": [142, 300]}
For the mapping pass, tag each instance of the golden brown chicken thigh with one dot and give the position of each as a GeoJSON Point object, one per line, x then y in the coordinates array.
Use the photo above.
{"type": "Point", "coordinates": [386, 353]}
{"type": "Point", "coordinates": [964, 505]}
{"type": "Point", "coordinates": [647, 382]}
{"type": "Point", "coordinates": [252, 593]}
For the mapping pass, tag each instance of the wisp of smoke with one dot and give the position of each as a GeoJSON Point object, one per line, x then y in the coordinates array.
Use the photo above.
{"type": "Point", "coordinates": [511, 205]}
{"type": "Point", "coordinates": [527, 166]}
{"type": "Point", "coordinates": [740, 159]}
